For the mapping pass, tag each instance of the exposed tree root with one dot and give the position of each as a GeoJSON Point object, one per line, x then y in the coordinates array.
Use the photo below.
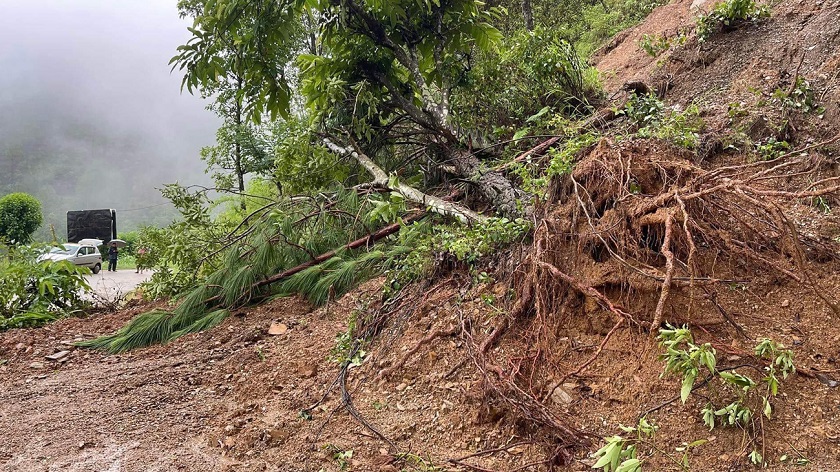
{"type": "Point", "coordinates": [441, 333]}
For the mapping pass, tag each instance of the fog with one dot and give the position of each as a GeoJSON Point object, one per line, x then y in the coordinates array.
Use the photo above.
{"type": "Point", "coordinates": [90, 116]}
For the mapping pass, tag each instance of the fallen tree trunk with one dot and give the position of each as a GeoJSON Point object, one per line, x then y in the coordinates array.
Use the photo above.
{"type": "Point", "coordinates": [381, 179]}
{"type": "Point", "coordinates": [493, 186]}
{"type": "Point", "coordinates": [371, 238]}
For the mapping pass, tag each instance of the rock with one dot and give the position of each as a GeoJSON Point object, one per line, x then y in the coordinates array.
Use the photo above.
{"type": "Point", "coordinates": [308, 370]}
{"type": "Point", "coordinates": [229, 429]}
{"type": "Point", "coordinates": [402, 386]}
{"type": "Point", "coordinates": [36, 365]}
{"type": "Point", "coordinates": [20, 346]}
{"type": "Point", "coordinates": [279, 435]}
{"type": "Point", "coordinates": [561, 397]}
{"type": "Point", "coordinates": [58, 355]}
{"type": "Point", "coordinates": [785, 303]}
{"type": "Point", "coordinates": [277, 329]}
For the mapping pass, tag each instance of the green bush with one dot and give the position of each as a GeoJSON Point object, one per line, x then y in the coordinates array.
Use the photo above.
{"type": "Point", "coordinates": [730, 15]}
{"type": "Point", "coordinates": [654, 120]}
{"type": "Point", "coordinates": [536, 73]}
{"type": "Point", "coordinates": [33, 293]}
{"type": "Point", "coordinates": [20, 216]}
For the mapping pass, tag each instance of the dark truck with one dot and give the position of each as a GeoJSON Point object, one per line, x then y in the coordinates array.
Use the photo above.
{"type": "Point", "coordinates": [91, 224]}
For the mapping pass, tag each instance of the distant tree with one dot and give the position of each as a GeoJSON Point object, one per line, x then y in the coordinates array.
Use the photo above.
{"type": "Point", "coordinates": [20, 216]}
{"type": "Point", "coordinates": [241, 146]}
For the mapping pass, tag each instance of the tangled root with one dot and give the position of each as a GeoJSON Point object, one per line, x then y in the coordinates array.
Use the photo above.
{"type": "Point", "coordinates": [642, 219]}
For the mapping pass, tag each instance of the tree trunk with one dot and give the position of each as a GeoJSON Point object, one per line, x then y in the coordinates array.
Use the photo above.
{"type": "Point", "coordinates": [381, 179]}
{"type": "Point", "coordinates": [237, 148]}
{"type": "Point", "coordinates": [506, 199]}
{"type": "Point", "coordinates": [528, 14]}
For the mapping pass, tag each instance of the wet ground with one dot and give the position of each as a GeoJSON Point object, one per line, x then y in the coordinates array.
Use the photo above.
{"type": "Point", "coordinates": [113, 286]}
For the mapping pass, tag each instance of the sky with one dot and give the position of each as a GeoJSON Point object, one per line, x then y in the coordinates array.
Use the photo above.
{"type": "Point", "coordinates": [90, 115]}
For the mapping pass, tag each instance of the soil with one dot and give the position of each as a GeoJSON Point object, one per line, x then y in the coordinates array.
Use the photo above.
{"type": "Point", "coordinates": [262, 390]}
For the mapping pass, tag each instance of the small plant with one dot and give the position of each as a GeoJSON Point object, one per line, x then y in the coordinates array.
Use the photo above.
{"type": "Point", "coordinates": [654, 44]}
{"type": "Point", "coordinates": [746, 397]}
{"type": "Point", "coordinates": [736, 110]}
{"type": "Point", "coordinates": [260, 353]}
{"type": "Point", "coordinates": [563, 159]}
{"type": "Point", "coordinates": [654, 120]}
{"type": "Point", "coordinates": [772, 148]}
{"type": "Point", "coordinates": [341, 457]}
{"type": "Point", "coordinates": [345, 349]}
{"type": "Point", "coordinates": [730, 15]}
{"type": "Point", "coordinates": [418, 463]}
{"type": "Point", "coordinates": [800, 97]}
{"type": "Point", "coordinates": [33, 293]}
{"type": "Point", "coordinates": [822, 205]}
{"type": "Point", "coordinates": [620, 454]}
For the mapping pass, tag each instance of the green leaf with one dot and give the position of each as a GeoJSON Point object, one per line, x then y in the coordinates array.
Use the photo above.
{"type": "Point", "coordinates": [768, 410]}
{"type": "Point", "coordinates": [521, 134]}
{"type": "Point", "coordinates": [630, 465]}
{"type": "Point", "coordinates": [687, 385]}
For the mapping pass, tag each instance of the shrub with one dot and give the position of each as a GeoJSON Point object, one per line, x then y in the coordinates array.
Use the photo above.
{"type": "Point", "coordinates": [654, 120]}
{"type": "Point", "coordinates": [20, 216]}
{"type": "Point", "coordinates": [33, 293]}
{"type": "Point", "coordinates": [537, 72]}
{"type": "Point", "coordinates": [730, 15]}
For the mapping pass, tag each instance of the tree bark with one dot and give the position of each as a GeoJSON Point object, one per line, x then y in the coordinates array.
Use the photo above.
{"type": "Point", "coordinates": [381, 179]}
{"type": "Point", "coordinates": [237, 147]}
{"type": "Point", "coordinates": [528, 14]}
{"type": "Point", "coordinates": [506, 199]}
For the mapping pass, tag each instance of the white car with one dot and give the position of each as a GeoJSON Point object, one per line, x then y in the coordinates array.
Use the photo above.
{"type": "Point", "coordinates": [85, 253]}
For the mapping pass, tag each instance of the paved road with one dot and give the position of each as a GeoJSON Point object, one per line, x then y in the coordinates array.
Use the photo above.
{"type": "Point", "coordinates": [115, 285]}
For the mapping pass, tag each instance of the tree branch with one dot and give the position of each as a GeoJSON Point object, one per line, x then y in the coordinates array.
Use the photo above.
{"type": "Point", "coordinates": [380, 178]}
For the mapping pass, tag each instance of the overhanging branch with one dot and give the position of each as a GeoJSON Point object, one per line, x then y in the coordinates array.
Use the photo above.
{"type": "Point", "coordinates": [381, 179]}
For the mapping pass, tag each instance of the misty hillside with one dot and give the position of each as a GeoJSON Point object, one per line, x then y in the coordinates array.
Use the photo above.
{"type": "Point", "coordinates": [91, 116]}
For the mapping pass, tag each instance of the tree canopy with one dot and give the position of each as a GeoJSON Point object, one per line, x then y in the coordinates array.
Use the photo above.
{"type": "Point", "coordinates": [20, 216]}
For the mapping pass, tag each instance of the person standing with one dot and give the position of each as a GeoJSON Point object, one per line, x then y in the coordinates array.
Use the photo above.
{"type": "Point", "coordinates": [112, 257]}
{"type": "Point", "coordinates": [141, 259]}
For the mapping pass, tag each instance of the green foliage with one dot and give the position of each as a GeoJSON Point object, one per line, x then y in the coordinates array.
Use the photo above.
{"type": "Point", "coordinates": [563, 159]}
{"type": "Point", "coordinates": [730, 15]}
{"type": "Point", "coordinates": [418, 463]}
{"type": "Point", "coordinates": [418, 250]}
{"type": "Point", "coordinates": [801, 97]}
{"type": "Point", "coordinates": [238, 48]}
{"type": "Point", "coordinates": [654, 120]}
{"type": "Point", "coordinates": [686, 358]}
{"type": "Point", "coordinates": [180, 253]}
{"type": "Point", "coordinates": [537, 73]}
{"type": "Point", "coordinates": [302, 164]}
{"type": "Point", "coordinates": [655, 44]}
{"type": "Point", "coordinates": [347, 348]}
{"type": "Point", "coordinates": [33, 293]}
{"type": "Point", "coordinates": [771, 148]}
{"type": "Point", "coordinates": [534, 179]}
{"type": "Point", "coordinates": [241, 149]}
{"type": "Point", "coordinates": [287, 235]}
{"type": "Point", "coordinates": [20, 216]}
{"type": "Point", "coordinates": [340, 456]}
{"type": "Point", "coordinates": [619, 454]}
